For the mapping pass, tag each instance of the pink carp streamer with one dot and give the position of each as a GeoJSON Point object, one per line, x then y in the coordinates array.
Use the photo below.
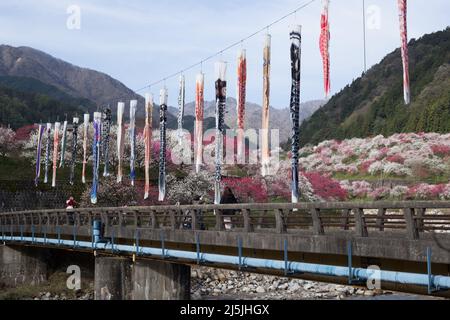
{"type": "Point", "coordinates": [324, 47]}
{"type": "Point", "coordinates": [402, 6]}
{"type": "Point", "coordinates": [55, 151]}
{"type": "Point", "coordinates": [148, 141]}
{"type": "Point", "coordinates": [120, 140]}
{"type": "Point", "coordinates": [199, 114]}
{"type": "Point", "coordinates": [265, 156]}
{"type": "Point", "coordinates": [85, 143]}
{"type": "Point", "coordinates": [241, 97]}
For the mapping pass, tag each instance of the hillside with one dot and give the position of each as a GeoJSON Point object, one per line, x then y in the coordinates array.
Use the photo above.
{"type": "Point", "coordinates": [30, 70]}
{"type": "Point", "coordinates": [73, 80]}
{"type": "Point", "coordinates": [373, 104]}
{"type": "Point", "coordinates": [20, 109]}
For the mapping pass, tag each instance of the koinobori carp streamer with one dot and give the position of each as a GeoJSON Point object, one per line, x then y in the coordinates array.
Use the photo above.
{"type": "Point", "coordinates": [85, 146]}
{"type": "Point", "coordinates": [181, 107]}
{"type": "Point", "coordinates": [199, 115]}
{"type": "Point", "coordinates": [403, 8]}
{"type": "Point", "coordinates": [148, 141]}
{"type": "Point", "coordinates": [76, 122]}
{"type": "Point", "coordinates": [48, 151]}
{"type": "Point", "coordinates": [55, 151]}
{"type": "Point", "coordinates": [120, 140]}
{"type": "Point", "coordinates": [162, 144]}
{"type": "Point", "coordinates": [221, 99]}
{"type": "Point", "coordinates": [265, 148]}
{"type": "Point", "coordinates": [63, 145]}
{"type": "Point", "coordinates": [325, 46]}
{"type": "Point", "coordinates": [96, 156]}
{"type": "Point", "coordinates": [296, 40]}
{"type": "Point", "coordinates": [105, 140]}
{"type": "Point", "coordinates": [241, 100]}
{"type": "Point", "coordinates": [41, 131]}
{"type": "Point", "coordinates": [132, 134]}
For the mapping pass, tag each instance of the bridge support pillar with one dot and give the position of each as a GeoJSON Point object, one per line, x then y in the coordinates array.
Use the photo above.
{"type": "Point", "coordinates": [112, 278]}
{"type": "Point", "coordinates": [155, 280]}
{"type": "Point", "coordinates": [22, 266]}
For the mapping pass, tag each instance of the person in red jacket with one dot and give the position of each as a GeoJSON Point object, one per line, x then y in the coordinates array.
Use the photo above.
{"type": "Point", "coordinates": [70, 204]}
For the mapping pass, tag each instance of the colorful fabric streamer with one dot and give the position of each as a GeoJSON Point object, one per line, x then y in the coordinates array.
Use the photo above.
{"type": "Point", "coordinates": [199, 115]}
{"type": "Point", "coordinates": [85, 143]}
{"type": "Point", "coordinates": [55, 151]}
{"type": "Point", "coordinates": [120, 140]}
{"type": "Point", "coordinates": [76, 122]}
{"type": "Point", "coordinates": [132, 134]}
{"type": "Point", "coordinates": [162, 144]}
{"type": "Point", "coordinates": [96, 156]}
{"type": "Point", "coordinates": [148, 141]}
{"type": "Point", "coordinates": [241, 100]}
{"type": "Point", "coordinates": [265, 148]}
{"type": "Point", "coordinates": [47, 151]}
{"type": "Point", "coordinates": [221, 100]}
{"type": "Point", "coordinates": [324, 46]}
{"type": "Point", "coordinates": [63, 145]}
{"type": "Point", "coordinates": [106, 132]}
{"type": "Point", "coordinates": [296, 40]}
{"type": "Point", "coordinates": [403, 9]}
{"type": "Point", "coordinates": [41, 131]}
{"type": "Point", "coordinates": [181, 106]}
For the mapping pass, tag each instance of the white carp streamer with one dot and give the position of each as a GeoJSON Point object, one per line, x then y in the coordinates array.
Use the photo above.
{"type": "Point", "coordinates": [221, 99]}
{"type": "Point", "coordinates": [132, 129]}
{"type": "Point", "coordinates": [120, 140]}
{"type": "Point", "coordinates": [265, 149]}
{"type": "Point", "coordinates": [403, 8]}
{"type": "Point", "coordinates": [64, 145]}
{"type": "Point", "coordinates": [241, 100]}
{"type": "Point", "coordinates": [148, 141]}
{"type": "Point", "coordinates": [55, 151]}
{"type": "Point", "coordinates": [181, 107]}
{"type": "Point", "coordinates": [85, 143]}
{"type": "Point", "coordinates": [48, 151]}
{"type": "Point", "coordinates": [199, 115]}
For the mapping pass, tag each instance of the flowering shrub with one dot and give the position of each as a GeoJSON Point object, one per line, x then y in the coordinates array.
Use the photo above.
{"type": "Point", "coordinates": [247, 190]}
{"type": "Point", "coordinates": [7, 141]}
{"type": "Point", "coordinates": [326, 188]}
{"type": "Point", "coordinates": [441, 150]}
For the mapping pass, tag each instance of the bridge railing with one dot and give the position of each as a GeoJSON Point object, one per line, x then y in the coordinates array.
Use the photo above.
{"type": "Point", "coordinates": [410, 218]}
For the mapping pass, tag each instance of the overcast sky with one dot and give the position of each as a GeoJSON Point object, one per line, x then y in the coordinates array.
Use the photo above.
{"type": "Point", "coordinates": [140, 41]}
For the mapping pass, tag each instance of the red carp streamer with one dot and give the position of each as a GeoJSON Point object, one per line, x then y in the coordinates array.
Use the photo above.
{"type": "Point", "coordinates": [324, 47]}
{"type": "Point", "coordinates": [402, 6]}
{"type": "Point", "coordinates": [241, 92]}
{"type": "Point", "coordinates": [199, 114]}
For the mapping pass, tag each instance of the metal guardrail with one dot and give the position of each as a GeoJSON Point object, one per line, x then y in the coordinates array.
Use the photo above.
{"type": "Point", "coordinates": [412, 218]}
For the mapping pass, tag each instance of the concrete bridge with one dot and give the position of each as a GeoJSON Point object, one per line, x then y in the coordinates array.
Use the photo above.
{"type": "Point", "coordinates": [146, 252]}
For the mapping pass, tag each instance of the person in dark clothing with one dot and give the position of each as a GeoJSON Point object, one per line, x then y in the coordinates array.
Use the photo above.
{"type": "Point", "coordinates": [228, 198]}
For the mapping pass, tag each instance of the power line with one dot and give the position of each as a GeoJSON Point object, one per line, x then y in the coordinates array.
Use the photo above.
{"type": "Point", "coordinates": [218, 53]}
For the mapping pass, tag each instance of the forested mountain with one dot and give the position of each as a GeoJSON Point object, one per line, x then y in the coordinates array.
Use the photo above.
{"type": "Point", "coordinates": [373, 104]}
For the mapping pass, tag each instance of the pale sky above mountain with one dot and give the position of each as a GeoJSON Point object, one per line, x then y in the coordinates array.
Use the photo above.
{"type": "Point", "coordinates": [139, 42]}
